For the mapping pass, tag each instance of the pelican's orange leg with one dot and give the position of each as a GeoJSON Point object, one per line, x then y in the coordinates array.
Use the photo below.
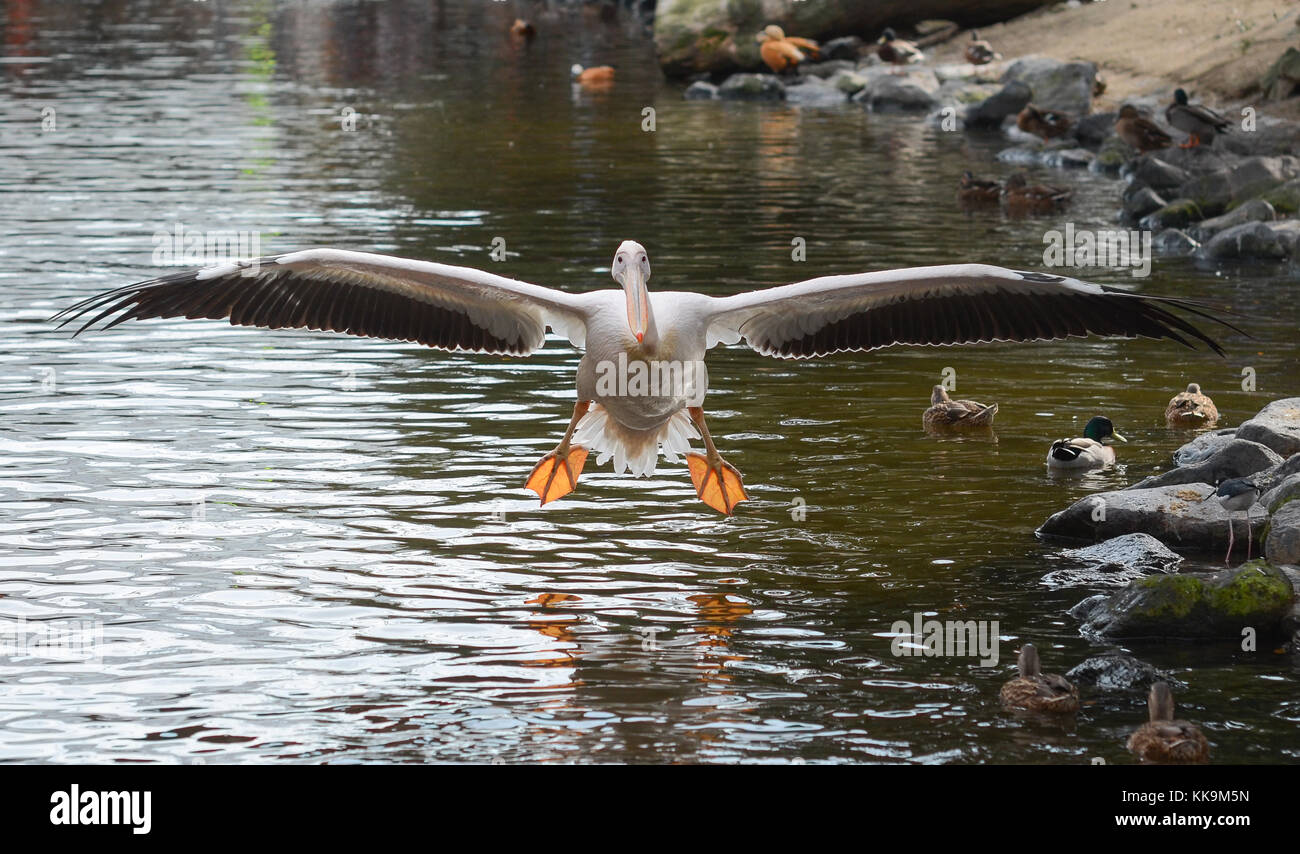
{"type": "Point", "coordinates": [556, 474]}
{"type": "Point", "coordinates": [717, 482]}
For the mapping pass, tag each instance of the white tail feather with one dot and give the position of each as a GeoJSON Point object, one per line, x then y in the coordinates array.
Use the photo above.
{"type": "Point", "coordinates": [632, 450]}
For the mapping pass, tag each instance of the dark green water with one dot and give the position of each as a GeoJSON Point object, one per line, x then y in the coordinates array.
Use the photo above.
{"type": "Point", "coordinates": [368, 581]}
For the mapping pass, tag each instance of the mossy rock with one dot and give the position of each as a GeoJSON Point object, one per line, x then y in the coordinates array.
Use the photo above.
{"type": "Point", "coordinates": [1222, 604]}
{"type": "Point", "coordinates": [1284, 198]}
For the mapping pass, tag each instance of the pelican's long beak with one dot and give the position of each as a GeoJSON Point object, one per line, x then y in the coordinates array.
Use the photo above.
{"type": "Point", "coordinates": [638, 301]}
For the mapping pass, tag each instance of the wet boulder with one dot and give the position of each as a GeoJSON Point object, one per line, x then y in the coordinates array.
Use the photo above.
{"type": "Point", "coordinates": [993, 110]}
{"type": "Point", "coordinates": [1285, 198]}
{"type": "Point", "coordinates": [1236, 458]}
{"type": "Point", "coordinates": [1156, 173]}
{"type": "Point", "coordinates": [1276, 426]}
{"type": "Point", "coordinates": [815, 92]}
{"type": "Point", "coordinates": [1204, 446]}
{"type": "Point", "coordinates": [1056, 85]}
{"type": "Point", "coordinates": [827, 69]}
{"type": "Point", "coordinates": [1141, 201]}
{"type": "Point", "coordinates": [752, 87]}
{"type": "Point", "coordinates": [700, 90]}
{"type": "Point", "coordinates": [1178, 515]}
{"type": "Point", "coordinates": [1282, 545]}
{"type": "Point", "coordinates": [1174, 241]}
{"type": "Point", "coordinates": [1115, 562]}
{"type": "Point", "coordinates": [845, 47]}
{"type": "Point", "coordinates": [1255, 210]}
{"type": "Point", "coordinates": [1282, 80]}
{"type": "Point", "coordinates": [1251, 241]}
{"type": "Point", "coordinates": [1179, 213]}
{"type": "Point", "coordinates": [1068, 158]}
{"type": "Point", "coordinates": [1116, 670]}
{"type": "Point", "coordinates": [895, 93]}
{"type": "Point", "coordinates": [1093, 130]}
{"type": "Point", "coordinates": [1287, 234]}
{"type": "Point", "coordinates": [1193, 605]}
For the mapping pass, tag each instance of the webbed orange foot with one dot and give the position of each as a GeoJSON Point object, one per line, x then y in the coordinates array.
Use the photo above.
{"type": "Point", "coordinates": [717, 483]}
{"type": "Point", "coordinates": [556, 474]}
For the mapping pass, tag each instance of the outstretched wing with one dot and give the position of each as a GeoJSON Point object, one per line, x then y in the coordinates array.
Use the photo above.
{"type": "Point", "coordinates": [358, 293]}
{"type": "Point", "coordinates": [955, 304]}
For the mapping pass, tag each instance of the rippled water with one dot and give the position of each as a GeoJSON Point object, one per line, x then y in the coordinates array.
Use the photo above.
{"type": "Point", "coordinates": [304, 547]}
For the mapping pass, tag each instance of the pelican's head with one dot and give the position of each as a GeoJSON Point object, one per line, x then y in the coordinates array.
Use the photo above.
{"type": "Point", "coordinates": [631, 269]}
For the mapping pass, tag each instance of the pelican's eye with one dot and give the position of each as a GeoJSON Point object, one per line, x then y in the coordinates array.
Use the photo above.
{"type": "Point", "coordinates": [620, 259]}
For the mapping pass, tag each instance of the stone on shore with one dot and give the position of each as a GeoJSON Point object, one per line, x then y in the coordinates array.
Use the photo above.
{"type": "Point", "coordinates": [1255, 210]}
{"type": "Point", "coordinates": [1204, 446]}
{"type": "Point", "coordinates": [1056, 85]}
{"type": "Point", "coordinates": [1245, 242]}
{"type": "Point", "coordinates": [1178, 515]}
{"type": "Point", "coordinates": [815, 92]}
{"type": "Point", "coordinates": [1116, 561]}
{"type": "Point", "coordinates": [700, 90]}
{"type": "Point", "coordinates": [895, 93]}
{"type": "Point", "coordinates": [992, 111]}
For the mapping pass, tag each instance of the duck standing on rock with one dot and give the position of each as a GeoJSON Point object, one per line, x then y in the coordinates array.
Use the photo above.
{"type": "Point", "coordinates": [781, 52]}
{"type": "Point", "coordinates": [1238, 493]}
{"type": "Point", "coordinates": [1195, 120]}
{"type": "Point", "coordinates": [948, 414]}
{"type": "Point", "coordinates": [1023, 197]}
{"type": "Point", "coordinates": [980, 52]}
{"type": "Point", "coordinates": [1048, 124]}
{"type": "Point", "coordinates": [1091, 451]}
{"type": "Point", "coordinates": [1139, 132]}
{"type": "Point", "coordinates": [1164, 740]}
{"type": "Point", "coordinates": [896, 51]}
{"type": "Point", "coordinates": [1191, 408]}
{"type": "Point", "coordinates": [1037, 691]}
{"type": "Point", "coordinates": [976, 191]}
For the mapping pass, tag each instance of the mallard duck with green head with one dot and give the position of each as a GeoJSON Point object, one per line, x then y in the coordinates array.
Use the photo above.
{"type": "Point", "coordinates": [1163, 740]}
{"type": "Point", "coordinates": [890, 48]}
{"type": "Point", "coordinates": [1198, 122]}
{"type": "Point", "coordinates": [1036, 691]}
{"type": "Point", "coordinates": [1090, 451]}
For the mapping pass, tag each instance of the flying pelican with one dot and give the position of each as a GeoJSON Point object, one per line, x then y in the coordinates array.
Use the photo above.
{"type": "Point", "coordinates": [641, 381]}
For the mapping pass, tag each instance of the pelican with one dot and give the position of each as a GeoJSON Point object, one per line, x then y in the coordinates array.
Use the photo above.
{"type": "Point", "coordinates": [641, 380]}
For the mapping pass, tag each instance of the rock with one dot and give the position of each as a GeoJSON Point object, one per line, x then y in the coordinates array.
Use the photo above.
{"type": "Point", "coordinates": [1283, 542]}
{"type": "Point", "coordinates": [1142, 202]}
{"type": "Point", "coordinates": [1282, 80]}
{"type": "Point", "coordinates": [1068, 158]}
{"type": "Point", "coordinates": [1056, 85]}
{"type": "Point", "coordinates": [1117, 671]}
{"type": "Point", "coordinates": [1285, 198]}
{"type": "Point", "coordinates": [1255, 210]}
{"type": "Point", "coordinates": [815, 92]}
{"type": "Point", "coordinates": [1173, 241]}
{"type": "Point", "coordinates": [827, 69]}
{"type": "Point", "coordinates": [1177, 214]}
{"type": "Point", "coordinates": [718, 35]}
{"type": "Point", "coordinates": [1247, 242]}
{"type": "Point", "coordinates": [1267, 481]}
{"type": "Point", "coordinates": [1029, 154]}
{"type": "Point", "coordinates": [1237, 458]}
{"type": "Point", "coordinates": [893, 93]}
{"type": "Point", "coordinates": [1095, 129]}
{"type": "Point", "coordinates": [700, 91]}
{"type": "Point", "coordinates": [752, 87]}
{"type": "Point", "coordinates": [1112, 156]}
{"type": "Point", "coordinates": [1177, 515]}
{"type": "Point", "coordinates": [849, 82]}
{"type": "Point", "coordinates": [1288, 235]}
{"type": "Point", "coordinates": [1204, 446]}
{"type": "Point", "coordinates": [992, 111]}
{"type": "Point", "coordinates": [1193, 605]}
{"type": "Point", "coordinates": [1210, 192]}
{"type": "Point", "coordinates": [1276, 426]}
{"type": "Point", "coordinates": [1156, 173]}
{"type": "Point", "coordinates": [844, 47]}
{"type": "Point", "coordinates": [1256, 175]}
{"type": "Point", "coordinates": [1116, 561]}
{"type": "Point", "coordinates": [1280, 494]}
